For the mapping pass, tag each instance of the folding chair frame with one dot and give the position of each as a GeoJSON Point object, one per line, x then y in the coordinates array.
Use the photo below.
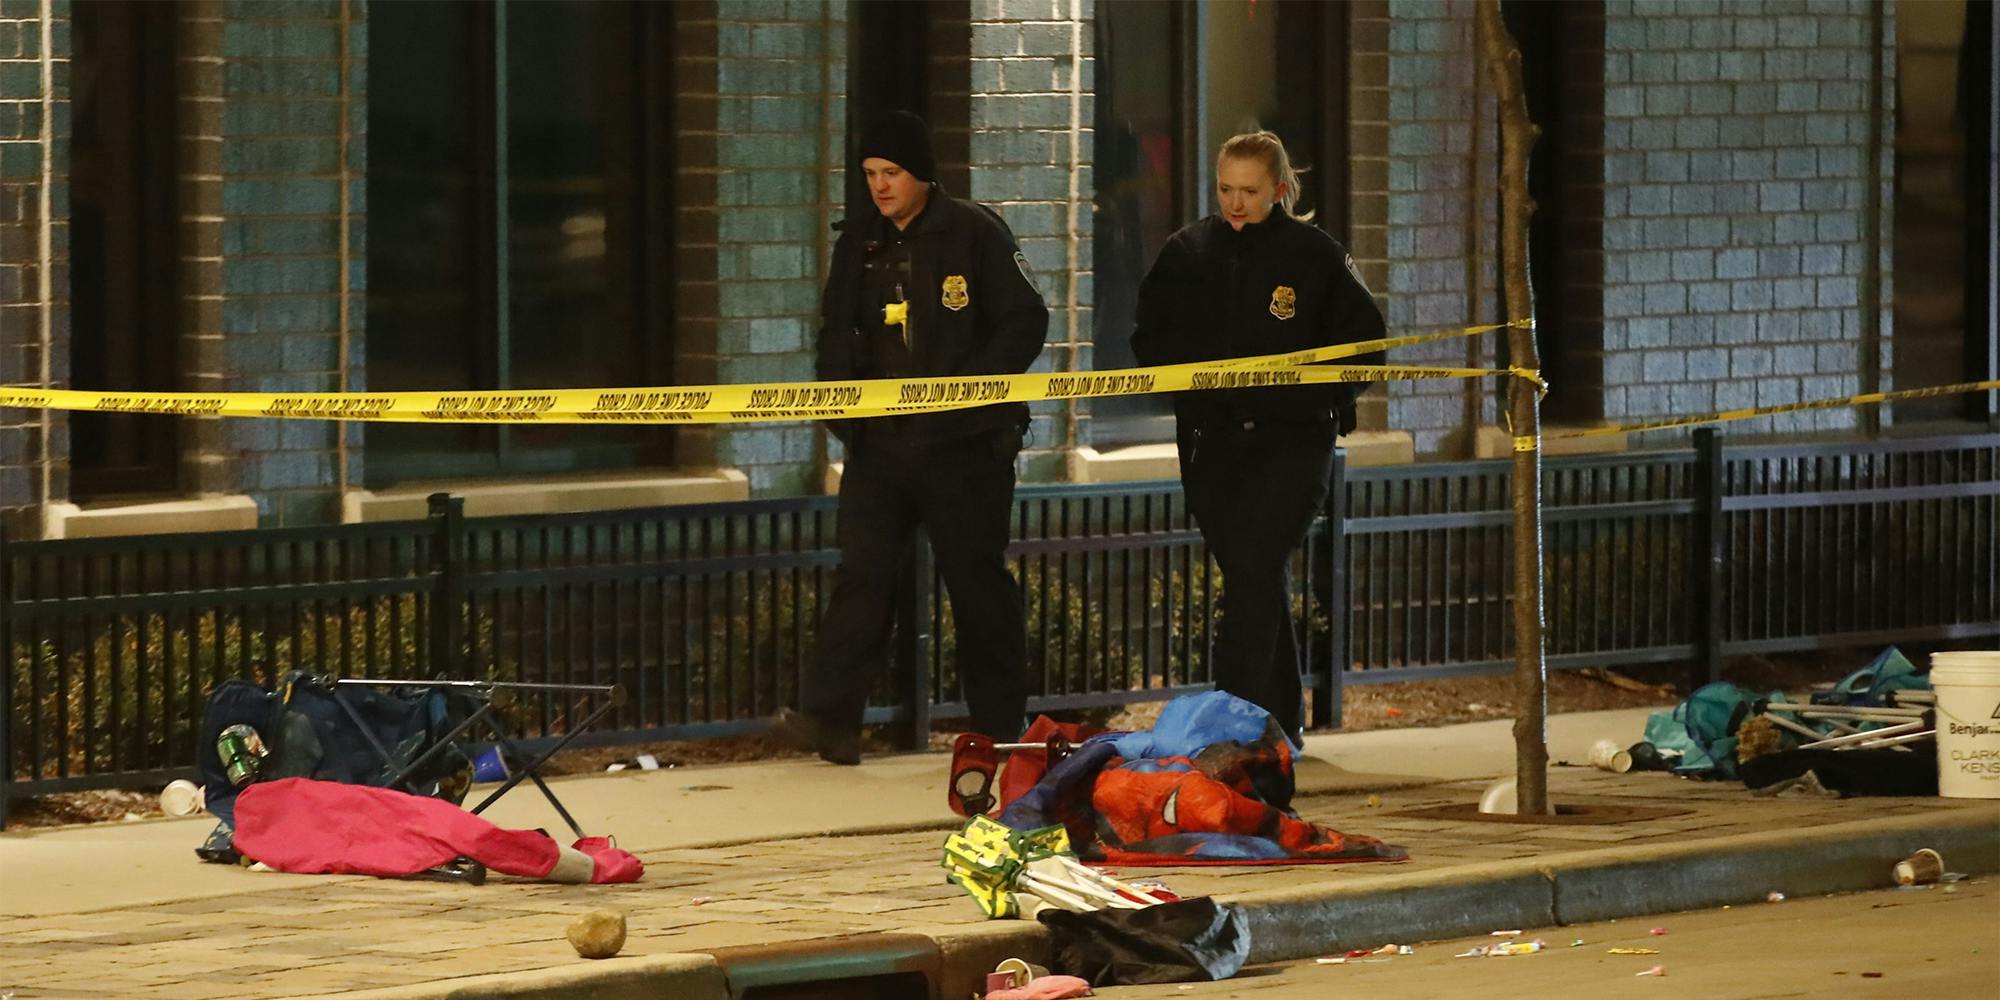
{"type": "Point", "coordinates": [613, 695]}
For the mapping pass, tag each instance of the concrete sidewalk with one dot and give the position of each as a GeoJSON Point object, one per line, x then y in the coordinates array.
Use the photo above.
{"type": "Point", "coordinates": [749, 866]}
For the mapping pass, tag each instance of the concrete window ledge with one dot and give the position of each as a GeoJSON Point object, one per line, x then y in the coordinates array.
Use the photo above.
{"type": "Point", "coordinates": [1495, 442]}
{"type": "Point", "coordinates": [1132, 463]}
{"type": "Point", "coordinates": [500, 498]}
{"type": "Point", "coordinates": [1379, 448]}
{"type": "Point", "coordinates": [1141, 462]}
{"type": "Point", "coordinates": [220, 512]}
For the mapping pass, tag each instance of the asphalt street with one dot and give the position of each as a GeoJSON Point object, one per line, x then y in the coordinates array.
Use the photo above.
{"type": "Point", "coordinates": [1902, 943]}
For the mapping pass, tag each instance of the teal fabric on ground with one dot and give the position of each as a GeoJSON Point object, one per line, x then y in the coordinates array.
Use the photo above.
{"type": "Point", "coordinates": [1889, 671]}
{"type": "Point", "coordinates": [1703, 728]}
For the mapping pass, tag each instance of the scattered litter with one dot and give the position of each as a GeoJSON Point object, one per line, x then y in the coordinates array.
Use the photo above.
{"type": "Point", "coordinates": [1359, 953]}
{"type": "Point", "coordinates": [1657, 970]}
{"type": "Point", "coordinates": [1578, 943]}
{"type": "Point", "coordinates": [1950, 877]}
{"type": "Point", "coordinates": [1922, 868]}
{"type": "Point", "coordinates": [1631, 951]}
{"type": "Point", "coordinates": [701, 900]}
{"type": "Point", "coordinates": [1871, 975]}
{"type": "Point", "coordinates": [1374, 801]}
{"type": "Point", "coordinates": [1340, 960]}
{"type": "Point", "coordinates": [182, 798]}
{"type": "Point", "coordinates": [1775, 897]}
{"type": "Point", "coordinates": [1512, 948]}
{"type": "Point", "coordinates": [1658, 932]}
{"type": "Point", "coordinates": [1476, 707]}
{"type": "Point", "coordinates": [1393, 712]}
{"type": "Point", "coordinates": [1472, 953]}
{"type": "Point", "coordinates": [1513, 933]}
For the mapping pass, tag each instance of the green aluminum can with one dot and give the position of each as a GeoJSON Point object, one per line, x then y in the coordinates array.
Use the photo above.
{"type": "Point", "coordinates": [242, 752]}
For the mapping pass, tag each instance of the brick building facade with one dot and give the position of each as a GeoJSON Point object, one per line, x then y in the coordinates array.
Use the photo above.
{"type": "Point", "coordinates": [569, 195]}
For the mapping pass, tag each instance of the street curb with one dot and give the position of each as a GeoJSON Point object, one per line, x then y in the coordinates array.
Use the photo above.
{"type": "Point", "coordinates": [1847, 857]}
{"type": "Point", "coordinates": [647, 977]}
{"type": "Point", "coordinates": [1322, 917]}
{"type": "Point", "coordinates": [1607, 883]}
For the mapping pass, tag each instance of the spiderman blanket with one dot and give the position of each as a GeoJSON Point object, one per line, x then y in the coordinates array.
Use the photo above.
{"type": "Point", "coordinates": [1210, 783]}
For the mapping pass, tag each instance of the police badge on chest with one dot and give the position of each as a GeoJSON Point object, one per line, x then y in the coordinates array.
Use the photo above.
{"type": "Point", "coordinates": [955, 297]}
{"type": "Point", "coordinates": [1284, 302]}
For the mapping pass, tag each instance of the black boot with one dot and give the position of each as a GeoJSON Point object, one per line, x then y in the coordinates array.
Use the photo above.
{"type": "Point", "coordinates": [803, 732]}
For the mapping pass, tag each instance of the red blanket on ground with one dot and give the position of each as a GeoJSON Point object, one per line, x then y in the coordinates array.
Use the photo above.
{"type": "Point", "coordinates": [324, 827]}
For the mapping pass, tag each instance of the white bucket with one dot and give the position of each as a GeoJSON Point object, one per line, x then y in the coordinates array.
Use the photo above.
{"type": "Point", "coordinates": [1968, 723]}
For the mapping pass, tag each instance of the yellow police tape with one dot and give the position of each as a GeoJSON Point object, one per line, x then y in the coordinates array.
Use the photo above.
{"type": "Point", "coordinates": [767, 401]}
{"type": "Point", "coordinates": [856, 398]}
{"type": "Point", "coordinates": [1725, 416]}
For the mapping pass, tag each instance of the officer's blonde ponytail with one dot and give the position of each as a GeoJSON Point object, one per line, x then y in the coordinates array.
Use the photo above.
{"type": "Point", "coordinates": [1268, 149]}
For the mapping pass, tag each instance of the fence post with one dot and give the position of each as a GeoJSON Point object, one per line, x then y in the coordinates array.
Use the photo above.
{"type": "Point", "coordinates": [6, 680]}
{"type": "Point", "coordinates": [447, 624]}
{"type": "Point", "coordinates": [1332, 572]}
{"type": "Point", "coordinates": [1706, 570]}
{"type": "Point", "coordinates": [913, 647]}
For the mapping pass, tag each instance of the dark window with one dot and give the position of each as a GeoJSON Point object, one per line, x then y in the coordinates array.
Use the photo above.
{"type": "Point", "coordinates": [1174, 80]}
{"type": "Point", "coordinates": [545, 122]}
{"type": "Point", "coordinates": [1978, 89]}
{"type": "Point", "coordinates": [122, 246]}
{"type": "Point", "coordinates": [1562, 68]}
{"type": "Point", "coordinates": [911, 55]}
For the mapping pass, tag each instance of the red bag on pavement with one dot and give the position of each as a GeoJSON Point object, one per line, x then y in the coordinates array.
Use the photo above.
{"type": "Point", "coordinates": [325, 827]}
{"type": "Point", "coordinates": [1025, 768]}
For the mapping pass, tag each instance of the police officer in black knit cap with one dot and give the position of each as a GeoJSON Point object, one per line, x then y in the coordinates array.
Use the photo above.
{"type": "Point", "coordinates": [1250, 280]}
{"type": "Point", "coordinates": [931, 285]}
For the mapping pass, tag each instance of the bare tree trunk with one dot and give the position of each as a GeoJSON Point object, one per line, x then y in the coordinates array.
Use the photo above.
{"type": "Point", "coordinates": [1502, 59]}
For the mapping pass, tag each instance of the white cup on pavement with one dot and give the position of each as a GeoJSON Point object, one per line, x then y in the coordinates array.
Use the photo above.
{"type": "Point", "coordinates": [182, 798]}
{"type": "Point", "coordinates": [1607, 755]}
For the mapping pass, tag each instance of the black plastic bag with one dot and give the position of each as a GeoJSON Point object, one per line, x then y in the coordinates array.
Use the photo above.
{"type": "Point", "coordinates": [1192, 940]}
{"type": "Point", "coordinates": [1875, 771]}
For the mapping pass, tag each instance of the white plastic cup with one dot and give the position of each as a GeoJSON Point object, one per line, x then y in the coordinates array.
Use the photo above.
{"type": "Point", "coordinates": [1607, 755]}
{"type": "Point", "coordinates": [182, 798]}
{"type": "Point", "coordinates": [1922, 868]}
{"type": "Point", "coordinates": [1968, 723]}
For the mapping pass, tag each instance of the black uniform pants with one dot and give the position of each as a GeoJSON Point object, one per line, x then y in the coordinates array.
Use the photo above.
{"type": "Point", "coordinates": [962, 493]}
{"type": "Point", "coordinates": [1254, 492]}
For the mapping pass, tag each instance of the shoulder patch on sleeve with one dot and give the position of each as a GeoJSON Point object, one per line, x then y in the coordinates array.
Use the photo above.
{"type": "Point", "coordinates": [1021, 261]}
{"type": "Point", "coordinates": [1356, 272]}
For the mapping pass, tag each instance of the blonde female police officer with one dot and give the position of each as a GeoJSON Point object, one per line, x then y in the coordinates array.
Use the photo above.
{"type": "Point", "coordinates": [953, 268]}
{"type": "Point", "coordinates": [1255, 279]}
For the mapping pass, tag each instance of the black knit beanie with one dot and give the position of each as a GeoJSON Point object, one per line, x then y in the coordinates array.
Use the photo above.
{"type": "Point", "coordinates": [904, 140]}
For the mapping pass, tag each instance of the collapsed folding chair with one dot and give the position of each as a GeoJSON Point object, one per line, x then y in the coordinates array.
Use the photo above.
{"type": "Point", "coordinates": [1904, 717]}
{"type": "Point", "coordinates": [402, 734]}
{"type": "Point", "coordinates": [488, 698]}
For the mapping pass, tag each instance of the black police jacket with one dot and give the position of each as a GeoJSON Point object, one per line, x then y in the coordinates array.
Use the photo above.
{"type": "Point", "coordinates": [1276, 286]}
{"type": "Point", "coordinates": [973, 311]}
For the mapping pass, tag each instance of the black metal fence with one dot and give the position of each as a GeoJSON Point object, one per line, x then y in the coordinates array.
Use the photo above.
{"type": "Point", "coordinates": [705, 614]}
